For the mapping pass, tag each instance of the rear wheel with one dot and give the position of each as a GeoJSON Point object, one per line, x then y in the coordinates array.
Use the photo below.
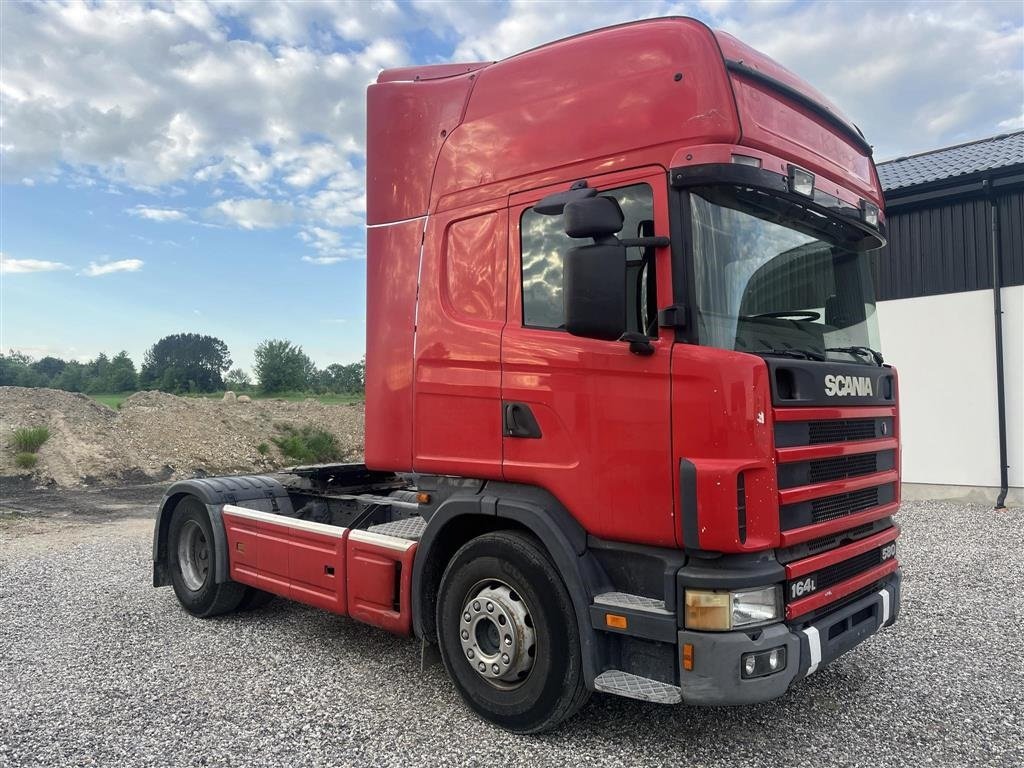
{"type": "Point", "coordinates": [193, 560]}
{"type": "Point", "coordinates": [508, 635]}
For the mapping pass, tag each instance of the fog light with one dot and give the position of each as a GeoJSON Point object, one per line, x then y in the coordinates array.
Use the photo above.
{"type": "Point", "coordinates": [763, 663]}
{"type": "Point", "coordinates": [801, 181]}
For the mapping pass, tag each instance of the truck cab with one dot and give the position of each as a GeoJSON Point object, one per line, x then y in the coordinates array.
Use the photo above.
{"type": "Point", "coordinates": [626, 427]}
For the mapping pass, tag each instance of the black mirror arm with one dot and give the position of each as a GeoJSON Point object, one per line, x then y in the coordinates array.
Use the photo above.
{"type": "Point", "coordinates": [639, 344]}
{"type": "Point", "coordinates": [645, 242]}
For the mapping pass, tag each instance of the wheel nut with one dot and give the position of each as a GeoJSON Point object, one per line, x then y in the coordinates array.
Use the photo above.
{"type": "Point", "coordinates": [494, 668]}
{"type": "Point", "coordinates": [504, 658]}
{"type": "Point", "coordinates": [490, 607]}
{"type": "Point", "coordinates": [482, 667]}
{"type": "Point", "coordinates": [465, 634]}
{"type": "Point", "coordinates": [476, 606]}
{"type": "Point", "coordinates": [508, 639]}
{"type": "Point", "coordinates": [469, 654]}
{"type": "Point", "coordinates": [466, 616]}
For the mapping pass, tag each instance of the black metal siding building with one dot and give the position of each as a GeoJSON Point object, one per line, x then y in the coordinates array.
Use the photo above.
{"type": "Point", "coordinates": [949, 281]}
{"type": "Point", "coordinates": [938, 208]}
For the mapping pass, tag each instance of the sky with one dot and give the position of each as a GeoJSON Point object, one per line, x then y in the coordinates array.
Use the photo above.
{"type": "Point", "coordinates": [198, 166]}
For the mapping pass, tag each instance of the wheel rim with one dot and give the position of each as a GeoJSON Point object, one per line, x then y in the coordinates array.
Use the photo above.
{"type": "Point", "coordinates": [498, 638]}
{"type": "Point", "coordinates": [193, 555]}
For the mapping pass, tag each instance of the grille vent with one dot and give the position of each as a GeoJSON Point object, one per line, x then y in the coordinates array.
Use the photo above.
{"type": "Point", "coordinates": [823, 470]}
{"type": "Point", "coordinates": [840, 430]}
{"type": "Point", "coordinates": [843, 504]}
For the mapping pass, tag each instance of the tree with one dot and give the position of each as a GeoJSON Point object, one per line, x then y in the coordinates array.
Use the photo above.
{"type": "Point", "coordinates": [186, 362]}
{"type": "Point", "coordinates": [73, 378]}
{"type": "Point", "coordinates": [120, 374]}
{"type": "Point", "coordinates": [282, 366]}
{"type": "Point", "coordinates": [238, 379]}
{"type": "Point", "coordinates": [49, 367]}
{"type": "Point", "coordinates": [343, 378]}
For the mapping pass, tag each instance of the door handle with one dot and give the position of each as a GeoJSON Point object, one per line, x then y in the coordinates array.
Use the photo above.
{"type": "Point", "coordinates": [518, 421]}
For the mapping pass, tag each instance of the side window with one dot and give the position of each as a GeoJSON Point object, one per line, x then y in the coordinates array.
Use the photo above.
{"type": "Point", "coordinates": [544, 244]}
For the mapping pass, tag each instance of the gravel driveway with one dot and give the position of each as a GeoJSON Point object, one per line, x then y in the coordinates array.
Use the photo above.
{"type": "Point", "coordinates": [99, 668]}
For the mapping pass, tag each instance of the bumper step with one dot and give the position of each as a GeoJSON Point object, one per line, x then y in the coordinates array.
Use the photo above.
{"type": "Point", "coordinates": [635, 687]}
{"type": "Point", "coordinates": [632, 602]}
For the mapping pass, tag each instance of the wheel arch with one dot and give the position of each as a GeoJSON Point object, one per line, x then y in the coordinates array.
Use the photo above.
{"type": "Point", "coordinates": [256, 491]}
{"type": "Point", "coordinates": [506, 506]}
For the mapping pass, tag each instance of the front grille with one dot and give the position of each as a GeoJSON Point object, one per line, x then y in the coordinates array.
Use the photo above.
{"type": "Point", "coordinates": [828, 542]}
{"type": "Point", "coordinates": [833, 574]}
{"type": "Point", "coordinates": [843, 504]}
{"type": "Point", "coordinates": [823, 470]}
{"type": "Point", "coordinates": [840, 430]}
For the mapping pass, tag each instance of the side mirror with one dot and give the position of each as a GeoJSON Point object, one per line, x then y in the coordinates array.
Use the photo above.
{"type": "Point", "coordinates": [598, 217]}
{"type": "Point", "coordinates": [594, 289]}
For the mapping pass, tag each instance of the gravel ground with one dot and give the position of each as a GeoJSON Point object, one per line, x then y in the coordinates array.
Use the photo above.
{"type": "Point", "coordinates": [98, 668]}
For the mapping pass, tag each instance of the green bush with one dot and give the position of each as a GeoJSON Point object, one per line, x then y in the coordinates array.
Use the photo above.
{"type": "Point", "coordinates": [26, 460]}
{"type": "Point", "coordinates": [263, 448]}
{"type": "Point", "coordinates": [307, 445]}
{"type": "Point", "coordinates": [30, 439]}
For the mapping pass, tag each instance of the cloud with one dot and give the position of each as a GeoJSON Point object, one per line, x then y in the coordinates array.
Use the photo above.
{"type": "Point", "coordinates": [9, 266]}
{"type": "Point", "coordinates": [158, 214]}
{"type": "Point", "coordinates": [323, 260]}
{"type": "Point", "coordinates": [253, 213]}
{"type": "Point", "coordinates": [109, 267]}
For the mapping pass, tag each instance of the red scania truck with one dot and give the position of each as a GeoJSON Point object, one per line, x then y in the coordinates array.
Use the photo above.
{"type": "Point", "coordinates": [626, 427]}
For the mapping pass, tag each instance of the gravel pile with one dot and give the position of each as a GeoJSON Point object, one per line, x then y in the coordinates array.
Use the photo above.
{"type": "Point", "coordinates": [158, 436]}
{"type": "Point", "coordinates": [98, 668]}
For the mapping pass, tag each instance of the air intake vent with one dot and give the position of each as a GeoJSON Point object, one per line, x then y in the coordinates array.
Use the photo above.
{"type": "Point", "coordinates": [823, 470]}
{"type": "Point", "coordinates": [840, 430]}
{"type": "Point", "coordinates": [843, 504]}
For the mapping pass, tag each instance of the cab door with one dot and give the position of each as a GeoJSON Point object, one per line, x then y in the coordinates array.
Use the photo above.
{"type": "Point", "coordinates": [585, 419]}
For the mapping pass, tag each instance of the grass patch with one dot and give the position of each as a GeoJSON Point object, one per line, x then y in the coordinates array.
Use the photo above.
{"type": "Point", "coordinates": [112, 401]}
{"type": "Point", "coordinates": [307, 444]}
{"type": "Point", "coordinates": [30, 439]}
{"type": "Point", "coordinates": [263, 448]}
{"type": "Point", "coordinates": [26, 460]}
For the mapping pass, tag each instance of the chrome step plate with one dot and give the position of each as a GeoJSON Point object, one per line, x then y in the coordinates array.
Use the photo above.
{"type": "Point", "coordinates": [410, 528]}
{"type": "Point", "coordinates": [635, 602]}
{"type": "Point", "coordinates": [635, 687]}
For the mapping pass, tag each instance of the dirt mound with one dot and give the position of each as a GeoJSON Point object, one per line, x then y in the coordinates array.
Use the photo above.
{"type": "Point", "coordinates": [159, 436]}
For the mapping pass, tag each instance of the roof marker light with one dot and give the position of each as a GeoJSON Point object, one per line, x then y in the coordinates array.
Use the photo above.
{"type": "Point", "coordinates": [869, 213]}
{"type": "Point", "coordinates": [753, 162]}
{"type": "Point", "coordinates": [801, 181]}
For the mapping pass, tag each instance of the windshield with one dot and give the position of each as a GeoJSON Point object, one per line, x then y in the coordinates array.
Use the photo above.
{"type": "Point", "coordinates": [772, 279]}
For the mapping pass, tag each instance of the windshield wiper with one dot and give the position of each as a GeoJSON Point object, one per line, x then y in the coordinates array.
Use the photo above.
{"type": "Point", "coordinates": [860, 352]}
{"type": "Point", "coordinates": [802, 354]}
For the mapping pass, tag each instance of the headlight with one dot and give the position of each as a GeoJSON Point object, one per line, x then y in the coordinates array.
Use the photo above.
{"type": "Point", "coordinates": [719, 611]}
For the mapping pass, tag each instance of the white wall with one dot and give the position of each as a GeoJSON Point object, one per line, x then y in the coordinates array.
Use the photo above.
{"type": "Point", "coordinates": [944, 349]}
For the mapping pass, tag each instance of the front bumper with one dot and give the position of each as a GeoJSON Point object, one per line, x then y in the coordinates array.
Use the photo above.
{"type": "Point", "coordinates": [716, 677]}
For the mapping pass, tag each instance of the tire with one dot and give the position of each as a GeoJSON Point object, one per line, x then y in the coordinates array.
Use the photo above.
{"type": "Point", "coordinates": [192, 561]}
{"type": "Point", "coordinates": [508, 588]}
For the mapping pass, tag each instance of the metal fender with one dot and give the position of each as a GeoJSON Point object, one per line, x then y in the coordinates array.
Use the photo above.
{"type": "Point", "coordinates": [260, 492]}
{"type": "Point", "coordinates": [506, 505]}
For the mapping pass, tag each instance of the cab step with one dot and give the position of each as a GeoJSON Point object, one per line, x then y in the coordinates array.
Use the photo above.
{"type": "Point", "coordinates": [631, 602]}
{"type": "Point", "coordinates": [410, 528]}
{"type": "Point", "coordinates": [635, 687]}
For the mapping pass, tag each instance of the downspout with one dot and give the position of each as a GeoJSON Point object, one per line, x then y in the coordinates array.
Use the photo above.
{"type": "Point", "coordinates": [997, 307]}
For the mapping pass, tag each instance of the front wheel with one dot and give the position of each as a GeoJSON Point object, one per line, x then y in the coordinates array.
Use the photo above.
{"type": "Point", "coordinates": [508, 635]}
{"type": "Point", "coordinates": [192, 558]}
